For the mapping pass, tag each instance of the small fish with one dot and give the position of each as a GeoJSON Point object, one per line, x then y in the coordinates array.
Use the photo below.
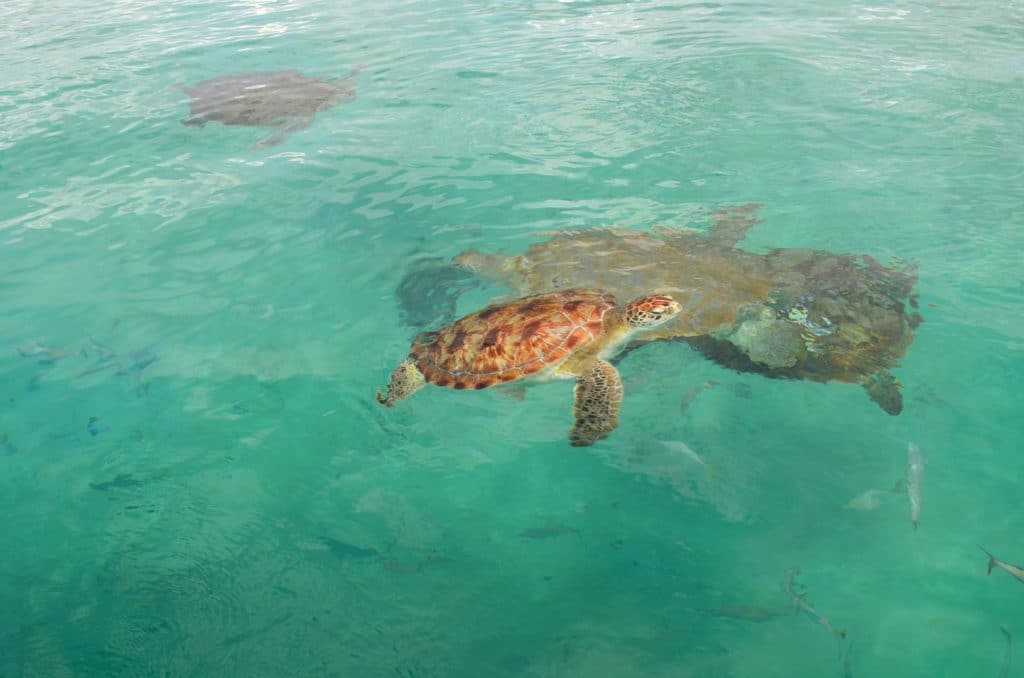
{"type": "Point", "coordinates": [865, 501]}
{"type": "Point", "coordinates": [684, 449]}
{"type": "Point", "coordinates": [343, 549]}
{"type": "Point", "coordinates": [752, 613]}
{"type": "Point", "coordinates": [995, 562]}
{"type": "Point", "coordinates": [105, 353]}
{"type": "Point", "coordinates": [869, 499]}
{"type": "Point", "coordinates": [688, 452]}
{"type": "Point", "coordinates": [107, 358]}
{"type": "Point", "coordinates": [99, 368]}
{"type": "Point", "coordinates": [548, 532]}
{"type": "Point", "coordinates": [140, 360]}
{"type": "Point", "coordinates": [847, 671]}
{"type": "Point", "coordinates": [1008, 654]}
{"type": "Point", "coordinates": [692, 394]}
{"type": "Point", "coordinates": [915, 474]}
{"type": "Point", "coordinates": [805, 606]}
{"type": "Point", "coordinates": [94, 428]}
{"type": "Point", "coordinates": [47, 354]}
{"type": "Point", "coordinates": [121, 481]}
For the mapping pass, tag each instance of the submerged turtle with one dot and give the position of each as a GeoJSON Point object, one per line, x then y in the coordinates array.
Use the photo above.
{"type": "Point", "coordinates": [705, 274]}
{"type": "Point", "coordinates": [564, 334]}
{"type": "Point", "coordinates": [284, 100]}
{"type": "Point", "coordinates": [789, 313]}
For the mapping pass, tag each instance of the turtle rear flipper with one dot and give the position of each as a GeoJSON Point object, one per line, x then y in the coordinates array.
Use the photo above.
{"type": "Point", "coordinates": [598, 396]}
{"type": "Point", "coordinates": [884, 389]}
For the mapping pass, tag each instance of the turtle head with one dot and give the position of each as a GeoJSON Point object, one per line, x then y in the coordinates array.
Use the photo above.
{"type": "Point", "coordinates": [651, 311]}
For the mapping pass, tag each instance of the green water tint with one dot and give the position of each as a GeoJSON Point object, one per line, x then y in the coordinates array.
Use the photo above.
{"type": "Point", "coordinates": [195, 478]}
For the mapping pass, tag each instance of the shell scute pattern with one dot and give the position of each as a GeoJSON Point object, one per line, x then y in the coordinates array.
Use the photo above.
{"type": "Point", "coordinates": [505, 342]}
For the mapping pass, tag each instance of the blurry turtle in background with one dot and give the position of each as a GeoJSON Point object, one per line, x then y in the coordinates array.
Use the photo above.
{"type": "Point", "coordinates": [286, 101]}
{"type": "Point", "coordinates": [790, 313]}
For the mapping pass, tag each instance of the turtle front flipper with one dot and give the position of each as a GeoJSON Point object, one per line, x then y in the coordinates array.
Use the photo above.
{"type": "Point", "coordinates": [405, 380]}
{"type": "Point", "coordinates": [598, 396]}
{"type": "Point", "coordinates": [281, 133]}
{"type": "Point", "coordinates": [730, 224]}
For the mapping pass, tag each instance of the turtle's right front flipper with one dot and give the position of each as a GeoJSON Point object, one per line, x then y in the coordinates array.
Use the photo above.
{"type": "Point", "coordinates": [598, 395]}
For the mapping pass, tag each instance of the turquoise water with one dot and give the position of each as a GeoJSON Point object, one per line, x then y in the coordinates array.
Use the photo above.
{"type": "Point", "coordinates": [196, 479]}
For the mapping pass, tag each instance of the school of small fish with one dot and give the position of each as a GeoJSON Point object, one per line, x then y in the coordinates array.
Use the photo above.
{"type": "Point", "coordinates": [804, 606]}
{"type": "Point", "coordinates": [868, 500]}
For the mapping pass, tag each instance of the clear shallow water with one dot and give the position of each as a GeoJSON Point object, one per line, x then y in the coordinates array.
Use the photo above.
{"type": "Point", "coordinates": [217, 510]}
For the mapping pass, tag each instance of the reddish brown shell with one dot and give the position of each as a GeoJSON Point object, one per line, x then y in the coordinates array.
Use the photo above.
{"type": "Point", "coordinates": [505, 342]}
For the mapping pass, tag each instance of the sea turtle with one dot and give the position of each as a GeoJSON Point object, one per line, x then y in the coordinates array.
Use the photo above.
{"type": "Point", "coordinates": [839, 317]}
{"type": "Point", "coordinates": [788, 313]}
{"type": "Point", "coordinates": [284, 100]}
{"type": "Point", "coordinates": [564, 334]}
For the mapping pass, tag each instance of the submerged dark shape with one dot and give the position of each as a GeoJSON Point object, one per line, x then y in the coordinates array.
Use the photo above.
{"type": "Point", "coordinates": [121, 481]}
{"type": "Point", "coordinates": [788, 313]}
{"type": "Point", "coordinates": [343, 549]}
{"type": "Point", "coordinates": [284, 100]}
{"type": "Point", "coordinates": [429, 290]}
{"type": "Point", "coordinates": [548, 532]}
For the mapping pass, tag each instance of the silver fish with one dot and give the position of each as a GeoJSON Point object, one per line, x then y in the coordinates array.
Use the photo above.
{"type": "Point", "coordinates": [865, 501]}
{"type": "Point", "coordinates": [995, 562]}
{"type": "Point", "coordinates": [847, 671]}
{"type": "Point", "coordinates": [915, 474]}
{"type": "Point", "coordinates": [869, 500]}
{"type": "Point", "coordinates": [684, 449]}
{"type": "Point", "coordinates": [548, 532]}
{"type": "Point", "coordinates": [806, 607]}
{"type": "Point", "coordinates": [46, 354]}
{"type": "Point", "coordinates": [751, 613]}
{"type": "Point", "coordinates": [1007, 655]}
{"type": "Point", "coordinates": [692, 394]}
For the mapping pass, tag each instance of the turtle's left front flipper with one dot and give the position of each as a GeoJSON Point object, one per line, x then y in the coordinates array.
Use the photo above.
{"type": "Point", "coordinates": [281, 133]}
{"type": "Point", "coordinates": [598, 395]}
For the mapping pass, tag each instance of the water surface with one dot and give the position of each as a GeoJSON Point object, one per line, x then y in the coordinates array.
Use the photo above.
{"type": "Point", "coordinates": [197, 480]}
